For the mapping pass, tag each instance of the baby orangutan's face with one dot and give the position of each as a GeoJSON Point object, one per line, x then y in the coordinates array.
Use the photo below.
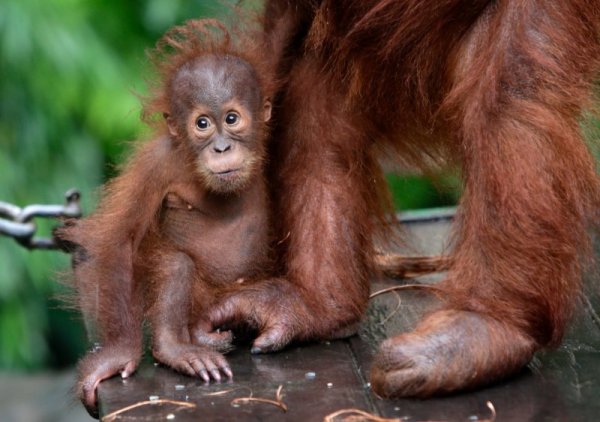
{"type": "Point", "coordinates": [218, 111]}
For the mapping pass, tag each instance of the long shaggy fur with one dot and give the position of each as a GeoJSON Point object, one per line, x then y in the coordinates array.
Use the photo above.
{"type": "Point", "coordinates": [500, 88]}
{"type": "Point", "coordinates": [182, 44]}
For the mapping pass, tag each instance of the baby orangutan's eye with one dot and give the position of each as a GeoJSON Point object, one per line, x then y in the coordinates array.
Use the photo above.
{"type": "Point", "coordinates": [232, 118]}
{"type": "Point", "coordinates": [202, 123]}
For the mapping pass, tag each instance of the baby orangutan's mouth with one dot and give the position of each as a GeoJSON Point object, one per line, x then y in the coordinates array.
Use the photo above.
{"type": "Point", "coordinates": [227, 173]}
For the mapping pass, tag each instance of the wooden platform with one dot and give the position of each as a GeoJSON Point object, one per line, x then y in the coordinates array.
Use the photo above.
{"type": "Point", "coordinates": [317, 380]}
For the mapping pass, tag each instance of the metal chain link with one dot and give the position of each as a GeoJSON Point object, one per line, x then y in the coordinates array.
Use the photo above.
{"type": "Point", "coordinates": [18, 222]}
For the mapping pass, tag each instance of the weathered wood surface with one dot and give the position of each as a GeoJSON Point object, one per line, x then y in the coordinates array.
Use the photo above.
{"type": "Point", "coordinates": [319, 379]}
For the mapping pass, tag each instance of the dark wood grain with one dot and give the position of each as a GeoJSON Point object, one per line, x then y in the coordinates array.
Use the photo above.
{"type": "Point", "coordinates": [319, 379]}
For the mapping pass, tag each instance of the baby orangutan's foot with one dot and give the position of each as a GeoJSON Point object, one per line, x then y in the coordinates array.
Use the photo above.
{"type": "Point", "coordinates": [448, 351]}
{"type": "Point", "coordinates": [193, 360]}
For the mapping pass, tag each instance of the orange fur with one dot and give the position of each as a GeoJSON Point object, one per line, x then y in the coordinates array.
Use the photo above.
{"type": "Point", "coordinates": [170, 232]}
{"type": "Point", "coordinates": [497, 86]}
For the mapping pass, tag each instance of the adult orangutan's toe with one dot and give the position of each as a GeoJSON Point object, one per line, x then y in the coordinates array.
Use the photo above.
{"type": "Point", "coordinates": [449, 351]}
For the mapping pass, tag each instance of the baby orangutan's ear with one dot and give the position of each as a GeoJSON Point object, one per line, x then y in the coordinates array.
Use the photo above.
{"type": "Point", "coordinates": [267, 110]}
{"type": "Point", "coordinates": [171, 125]}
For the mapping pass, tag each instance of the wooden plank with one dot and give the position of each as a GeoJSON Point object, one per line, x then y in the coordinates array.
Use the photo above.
{"type": "Point", "coordinates": [320, 379]}
{"type": "Point", "coordinates": [317, 380]}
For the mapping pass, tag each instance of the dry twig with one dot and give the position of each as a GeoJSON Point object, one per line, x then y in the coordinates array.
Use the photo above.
{"type": "Point", "coordinates": [434, 289]}
{"type": "Point", "coordinates": [395, 311]}
{"type": "Point", "coordinates": [360, 415]}
{"type": "Point", "coordinates": [400, 266]}
{"type": "Point", "coordinates": [117, 413]}
{"type": "Point", "coordinates": [356, 415]}
{"type": "Point", "coordinates": [277, 402]}
{"type": "Point", "coordinates": [223, 392]}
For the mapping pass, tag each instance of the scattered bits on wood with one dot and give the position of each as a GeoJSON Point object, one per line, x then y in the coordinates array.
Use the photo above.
{"type": "Point", "coordinates": [311, 375]}
{"type": "Point", "coordinates": [116, 414]}
{"type": "Point", "coordinates": [278, 402]}
{"type": "Point", "coordinates": [490, 406]}
{"type": "Point", "coordinates": [357, 415]}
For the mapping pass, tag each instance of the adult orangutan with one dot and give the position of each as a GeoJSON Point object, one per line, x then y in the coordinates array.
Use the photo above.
{"type": "Point", "coordinates": [500, 87]}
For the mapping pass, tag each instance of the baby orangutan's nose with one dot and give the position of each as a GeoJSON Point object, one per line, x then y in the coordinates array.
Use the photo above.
{"type": "Point", "coordinates": [221, 145]}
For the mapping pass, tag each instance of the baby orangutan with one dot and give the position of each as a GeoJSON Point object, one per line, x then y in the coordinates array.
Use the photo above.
{"type": "Point", "coordinates": [212, 224]}
{"type": "Point", "coordinates": [188, 216]}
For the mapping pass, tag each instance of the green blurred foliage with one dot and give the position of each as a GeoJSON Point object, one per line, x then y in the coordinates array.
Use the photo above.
{"type": "Point", "coordinates": [415, 192]}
